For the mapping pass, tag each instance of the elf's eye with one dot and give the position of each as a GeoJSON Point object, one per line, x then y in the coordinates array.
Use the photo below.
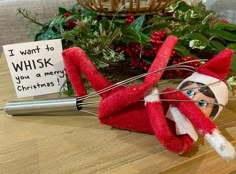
{"type": "Point", "coordinates": [190, 93]}
{"type": "Point", "coordinates": [202, 103]}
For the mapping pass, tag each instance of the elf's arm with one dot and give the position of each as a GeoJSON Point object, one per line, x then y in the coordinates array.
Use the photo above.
{"type": "Point", "coordinates": [177, 144]}
{"type": "Point", "coordinates": [201, 122]}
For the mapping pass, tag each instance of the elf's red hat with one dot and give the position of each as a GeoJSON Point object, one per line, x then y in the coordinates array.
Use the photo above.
{"type": "Point", "coordinates": [213, 73]}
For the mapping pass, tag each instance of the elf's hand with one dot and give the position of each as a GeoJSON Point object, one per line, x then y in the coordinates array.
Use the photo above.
{"type": "Point", "coordinates": [203, 124]}
{"type": "Point", "coordinates": [221, 145]}
{"type": "Point", "coordinates": [152, 95]}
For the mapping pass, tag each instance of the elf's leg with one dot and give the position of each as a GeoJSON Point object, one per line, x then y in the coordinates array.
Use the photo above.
{"type": "Point", "coordinates": [76, 62]}
{"type": "Point", "coordinates": [123, 108]}
{"type": "Point", "coordinates": [163, 130]}
{"type": "Point", "coordinates": [160, 62]}
{"type": "Point", "coordinates": [132, 94]}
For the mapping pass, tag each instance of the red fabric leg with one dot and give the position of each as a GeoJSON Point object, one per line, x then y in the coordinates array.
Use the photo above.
{"type": "Point", "coordinates": [76, 61]}
{"type": "Point", "coordinates": [161, 61]}
{"type": "Point", "coordinates": [132, 94]}
{"type": "Point", "coordinates": [172, 142]}
{"type": "Point", "coordinates": [127, 99]}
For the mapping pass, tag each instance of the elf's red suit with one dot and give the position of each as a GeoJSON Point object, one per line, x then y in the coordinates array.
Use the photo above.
{"type": "Point", "coordinates": [122, 107]}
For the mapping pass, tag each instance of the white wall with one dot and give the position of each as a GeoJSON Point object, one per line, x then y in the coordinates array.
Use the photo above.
{"type": "Point", "coordinates": [12, 28]}
{"type": "Point", "coordinates": [225, 8]}
{"type": "Point", "coordinates": [194, 1]}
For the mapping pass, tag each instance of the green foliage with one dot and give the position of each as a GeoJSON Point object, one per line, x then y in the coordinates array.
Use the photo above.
{"type": "Point", "coordinates": [231, 82]}
{"type": "Point", "coordinates": [95, 38]}
{"type": "Point", "coordinates": [55, 28]}
{"type": "Point", "coordinates": [199, 31]}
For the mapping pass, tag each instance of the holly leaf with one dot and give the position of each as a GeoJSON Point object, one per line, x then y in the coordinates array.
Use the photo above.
{"type": "Point", "coordinates": [198, 36]}
{"type": "Point", "coordinates": [181, 49]}
{"type": "Point", "coordinates": [217, 45]}
{"type": "Point", "coordinates": [207, 18]}
{"type": "Point", "coordinates": [47, 35]}
{"type": "Point", "coordinates": [183, 6]}
{"type": "Point", "coordinates": [180, 5]}
{"type": "Point", "coordinates": [144, 37]}
{"type": "Point", "coordinates": [62, 10]}
{"type": "Point", "coordinates": [138, 23]}
{"type": "Point", "coordinates": [118, 21]}
{"type": "Point", "coordinates": [130, 34]}
{"type": "Point", "coordinates": [222, 25]}
{"type": "Point", "coordinates": [57, 21]}
{"type": "Point", "coordinates": [227, 35]}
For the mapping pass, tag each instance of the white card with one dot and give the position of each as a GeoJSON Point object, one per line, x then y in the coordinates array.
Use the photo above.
{"type": "Point", "coordinates": [36, 67]}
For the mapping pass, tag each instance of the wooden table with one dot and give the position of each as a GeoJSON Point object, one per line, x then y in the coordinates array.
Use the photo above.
{"type": "Point", "coordinates": [73, 142]}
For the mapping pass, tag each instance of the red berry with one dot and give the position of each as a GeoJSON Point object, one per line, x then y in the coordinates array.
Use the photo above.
{"type": "Point", "coordinates": [65, 15]}
{"type": "Point", "coordinates": [130, 18]}
{"type": "Point", "coordinates": [223, 21]}
{"type": "Point", "coordinates": [173, 53]}
{"type": "Point", "coordinates": [70, 24]}
{"type": "Point", "coordinates": [134, 62]}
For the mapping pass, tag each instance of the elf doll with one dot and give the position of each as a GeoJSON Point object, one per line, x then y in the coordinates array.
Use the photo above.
{"type": "Point", "coordinates": [172, 115]}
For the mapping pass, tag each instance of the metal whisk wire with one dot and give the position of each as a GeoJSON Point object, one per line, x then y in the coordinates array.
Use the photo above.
{"type": "Point", "coordinates": [181, 66]}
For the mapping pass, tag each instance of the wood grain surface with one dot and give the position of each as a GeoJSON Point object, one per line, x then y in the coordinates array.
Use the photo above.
{"type": "Point", "coordinates": [76, 143]}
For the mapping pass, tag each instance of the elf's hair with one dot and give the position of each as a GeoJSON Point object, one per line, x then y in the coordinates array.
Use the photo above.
{"type": "Point", "coordinates": [207, 92]}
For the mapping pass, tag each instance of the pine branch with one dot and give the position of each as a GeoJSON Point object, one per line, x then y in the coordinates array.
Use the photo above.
{"type": "Point", "coordinates": [25, 14]}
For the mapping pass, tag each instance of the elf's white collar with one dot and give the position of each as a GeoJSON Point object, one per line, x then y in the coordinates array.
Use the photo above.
{"type": "Point", "coordinates": [183, 125]}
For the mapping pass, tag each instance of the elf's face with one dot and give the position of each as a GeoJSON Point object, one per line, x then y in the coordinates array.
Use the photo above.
{"type": "Point", "coordinates": [204, 102]}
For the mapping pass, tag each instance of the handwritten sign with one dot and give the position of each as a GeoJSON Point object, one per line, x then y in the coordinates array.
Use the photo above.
{"type": "Point", "coordinates": [36, 67]}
